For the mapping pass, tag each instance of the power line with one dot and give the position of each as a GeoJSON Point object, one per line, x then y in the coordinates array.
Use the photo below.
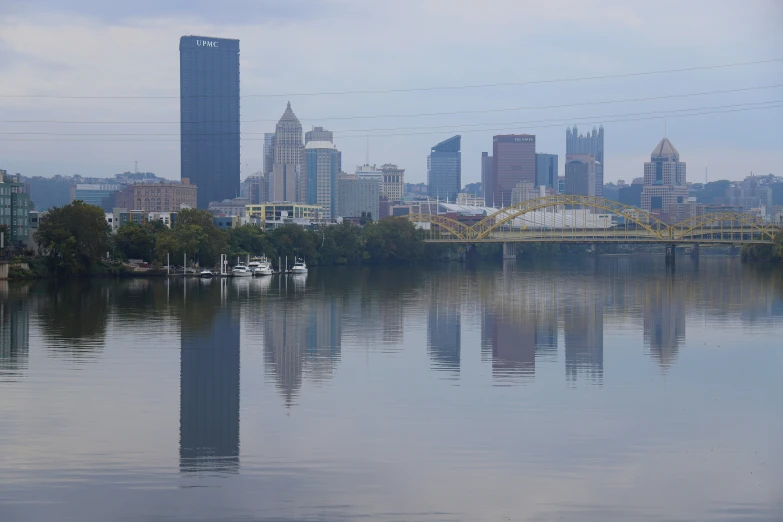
{"type": "Point", "coordinates": [363, 136]}
{"type": "Point", "coordinates": [453, 126]}
{"type": "Point", "coordinates": [449, 113]}
{"type": "Point", "coordinates": [410, 89]}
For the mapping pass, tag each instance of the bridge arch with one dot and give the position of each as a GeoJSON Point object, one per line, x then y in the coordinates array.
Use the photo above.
{"type": "Point", "coordinates": [459, 230]}
{"type": "Point", "coordinates": [715, 223]}
{"type": "Point", "coordinates": [657, 228]}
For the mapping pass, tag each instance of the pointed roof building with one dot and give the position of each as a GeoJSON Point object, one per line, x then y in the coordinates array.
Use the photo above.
{"type": "Point", "coordinates": [665, 151]}
{"type": "Point", "coordinates": [288, 138]}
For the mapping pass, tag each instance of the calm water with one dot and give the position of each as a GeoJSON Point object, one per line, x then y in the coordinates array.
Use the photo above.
{"type": "Point", "coordinates": [607, 390]}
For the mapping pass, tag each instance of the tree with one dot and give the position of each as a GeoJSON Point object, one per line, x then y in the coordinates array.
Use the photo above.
{"type": "Point", "coordinates": [248, 240]}
{"type": "Point", "coordinates": [135, 241]}
{"type": "Point", "coordinates": [197, 234]}
{"type": "Point", "coordinates": [293, 241]}
{"type": "Point", "coordinates": [73, 238]}
{"type": "Point", "coordinates": [394, 240]}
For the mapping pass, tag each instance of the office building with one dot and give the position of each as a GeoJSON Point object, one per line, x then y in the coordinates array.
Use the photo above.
{"type": "Point", "coordinates": [99, 194]}
{"type": "Point", "coordinates": [393, 184]}
{"type": "Point", "coordinates": [580, 175]}
{"type": "Point", "coordinates": [255, 187]}
{"type": "Point", "coordinates": [319, 134]}
{"type": "Point", "coordinates": [320, 169]}
{"type": "Point", "coordinates": [283, 182]}
{"type": "Point", "coordinates": [272, 215]}
{"type": "Point", "coordinates": [209, 116]}
{"type": "Point", "coordinates": [357, 197]}
{"type": "Point", "coordinates": [632, 194]}
{"type": "Point", "coordinates": [235, 207]}
{"type": "Point", "coordinates": [371, 172]}
{"type": "Point", "coordinates": [514, 160]}
{"type": "Point", "coordinates": [546, 171]}
{"type": "Point", "coordinates": [158, 197]}
{"type": "Point", "coordinates": [591, 143]}
{"type": "Point", "coordinates": [664, 180]}
{"type": "Point", "coordinates": [525, 191]}
{"type": "Point", "coordinates": [444, 169]}
{"type": "Point", "coordinates": [288, 138]}
{"type": "Point", "coordinates": [269, 153]}
{"type": "Point", "coordinates": [15, 207]}
{"type": "Point", "coordinates": [487, 178]}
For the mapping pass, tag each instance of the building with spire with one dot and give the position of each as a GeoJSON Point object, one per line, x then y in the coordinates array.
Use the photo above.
{"type": "Point", "coordinates": [288, 149]}
{"type": "Point", "coordinates": [591, 143]}
{"type": "Point", "coordinates": [664, 180]}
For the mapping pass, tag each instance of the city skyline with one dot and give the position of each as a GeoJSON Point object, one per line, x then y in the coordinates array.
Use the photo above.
{"type": "Point", "coordinates": [152, 62]}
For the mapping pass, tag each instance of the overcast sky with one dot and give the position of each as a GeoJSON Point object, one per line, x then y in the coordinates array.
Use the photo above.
{"type": "Point", "coordinates": [295, 48]}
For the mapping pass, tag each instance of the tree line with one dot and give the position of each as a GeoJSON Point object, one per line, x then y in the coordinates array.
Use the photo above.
{"type": "Point", "coordinates": [76, 240]}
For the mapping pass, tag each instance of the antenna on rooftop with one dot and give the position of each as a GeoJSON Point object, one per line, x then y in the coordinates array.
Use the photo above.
{"type": "Point", "coordinates": [367, 159]}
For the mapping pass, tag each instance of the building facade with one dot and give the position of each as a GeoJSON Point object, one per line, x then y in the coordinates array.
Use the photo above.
{"type": "Point", "coordinates": [514, 160]}
{"type": "Point", "coordinates": [15, 207]}
{"type": "Point", "coordinates": [288, 138]}
{"type": "Point", "coordinates": [209, 116]}
{"type": "Point", "coordinates": [393, 182]}
{"type": "Point", "coordinates": [272, 215]}
{"type": "Point", "coordinates": [580, 175]}
{"type": "Point", "coordinates": [236, 207]}
{"type": "Point", "coordinates": [357, 196]}
{"type": "Point", "coordinates": [444, 169]}
{"type": "Point", "coordinates": [371, 172]}
{"type": "Point", "coordinates": [99, 194]}
{"type": "Point", "coordinates": [319, 173]}
{"type": "Point", "coordinates": [664, 180]}
{"type": "Point", "coordinates": [590, 143]}
{"type": "Point", "coordinates": [319, 134]}
{"type": "Point", "coordinates": [487, 178]}
{"type": "Point", "coordinates": [158, 197]}
{"type": "Point", "coordinates": [269, 152]}
{"type": "Point", "coordinates": [283, 182]}
{"type": "Point", "coordinates": [546, 171]}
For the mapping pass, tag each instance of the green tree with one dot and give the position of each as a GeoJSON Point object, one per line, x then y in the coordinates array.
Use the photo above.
{"type": "Point", "coordinates": [248, 240]}
{"type": "Point", "coordinates": [394, 240]}
{"type": "Point", "coordinates": [135, 241]}
{"type": "Point", "coordinates": [293, 241]}
{"type": "Point", "coordinates": [73, 238]}
{"type": "Point", "coordinates": [197, 235]}
{"type": "Point", "coordinates": [341, 245]}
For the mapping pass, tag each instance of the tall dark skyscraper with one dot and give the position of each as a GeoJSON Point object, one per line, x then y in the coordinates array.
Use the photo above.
{"type": "Point", "coordinates": [590, 143]}
{"type": "Point", "coordinates": [514, 157]}
{"type": "Point", "coordinates": [209, 116]}
{"type": "Point", "coordinates": [444, 169]}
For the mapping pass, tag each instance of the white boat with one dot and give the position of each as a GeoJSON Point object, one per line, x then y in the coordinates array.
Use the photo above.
{"type": "Point", "coordinates": [241, 271]}
{"type": "Point", "coordinates": [299, 267]}
{"type": "Point", "coordinates": [260, 267]}
{"type": "Point", "coordinates": [206, 273]}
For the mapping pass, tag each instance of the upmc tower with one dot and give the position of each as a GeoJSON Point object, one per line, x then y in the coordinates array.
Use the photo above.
{"type": "Point", "coordinates": [209, 116]}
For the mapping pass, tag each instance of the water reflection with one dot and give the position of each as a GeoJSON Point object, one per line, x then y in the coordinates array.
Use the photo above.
{"type": "Point", "coordinates": [583, 333]}
{"type": "Point", "coordinates": [664, 320]}
{"type": "Point", "coordinates": [443, 326]}
{"type": "Point", "coordinates": [14, 331]}
{"type": "Point", "coordinates": [209, 382]}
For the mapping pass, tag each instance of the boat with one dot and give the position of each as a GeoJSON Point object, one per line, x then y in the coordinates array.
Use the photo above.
{"type": "Point", "coordinates": [260, 267]}
{"type": "Point", "coordinates": [241, 271]}
{"type": "Point", "coordinates": [206, 273]}
{"type": "Point", "coordinates": [299, 267]}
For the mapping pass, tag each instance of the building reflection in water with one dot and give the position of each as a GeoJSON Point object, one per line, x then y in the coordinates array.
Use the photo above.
{"type": "Point", "coordinates": [302, 338]}
{"type": "Point", "coordinates": [14, 331]}
{"type": "Point", "coordinates": [209, 383]}
{"type": "Point", "coordinates": [664, 320]}
{"type": "Point", "coordinates": [443, 327]}
{"type": "Point", "coordinates": [583, 332]}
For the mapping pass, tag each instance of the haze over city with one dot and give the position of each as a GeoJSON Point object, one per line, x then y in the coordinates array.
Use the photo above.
{"type": "Point", "coordinates": [119, 63]}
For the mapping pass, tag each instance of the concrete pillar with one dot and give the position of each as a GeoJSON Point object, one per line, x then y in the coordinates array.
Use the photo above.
{"type": "Point", "coordinates": [509, 251]}
{"type": "Point", "coordinates": [695, 251]}
{"type": "Point", "coordinates": [670, 255]}
{"type": "Point", "coordinates": [3, 270]}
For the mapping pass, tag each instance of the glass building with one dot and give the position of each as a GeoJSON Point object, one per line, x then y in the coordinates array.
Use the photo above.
{"type": "Point", "coordinates": [322, 164]}
{"type": "Point", "coordinates": [209, 116]}
{"type": "Point", "coordinates": [444, 169]}
{"type": "Point", "coordinates": [546, 170]}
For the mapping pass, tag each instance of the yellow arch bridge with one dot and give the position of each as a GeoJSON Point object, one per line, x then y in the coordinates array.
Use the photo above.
{"type": "Point", "coordinates": [567, 218]}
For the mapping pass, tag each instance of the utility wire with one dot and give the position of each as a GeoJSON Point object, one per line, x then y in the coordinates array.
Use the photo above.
{"type": "Point", "coordinates": [449, 113]}
{"type": "Point", "coordinates": [410, 89]}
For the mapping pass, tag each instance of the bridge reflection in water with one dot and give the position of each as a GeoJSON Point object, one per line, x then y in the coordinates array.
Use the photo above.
{"type": "Point", "coordinates": [565, 218]}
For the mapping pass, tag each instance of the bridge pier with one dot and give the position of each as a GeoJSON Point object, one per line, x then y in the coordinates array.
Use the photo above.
{"type": "Point", "coordinates": [695, 252]}
{"type": "Point", "coordinates": [670, 255]}
{"type": "Point", "coordinates": [509, 251]}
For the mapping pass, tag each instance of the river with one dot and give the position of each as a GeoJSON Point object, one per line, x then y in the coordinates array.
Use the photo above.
{"type": "Point", "coordinates": [602, 389]}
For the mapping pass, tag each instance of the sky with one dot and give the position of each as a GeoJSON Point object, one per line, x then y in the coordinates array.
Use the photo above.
{"type": "Point", "coordinates": [300, 51]}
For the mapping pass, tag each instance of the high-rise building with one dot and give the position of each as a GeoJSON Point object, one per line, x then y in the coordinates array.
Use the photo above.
{"type": "Point", "coordinates": [371, 172]}
{"type": "Point", "coordinates": [664, 180]}
{"type": "Point", "coordinates": [591, 143]}
{"type": "Point", "coordinates": [357, 196]}
{"type": "Point", "coordinates": [269, 152]}
{"type": "Point", "coordinates": [546, 171]}
{"type": "Point", "coordinates": [514, 160]}
{"type": "Point", "coordinates": [99, 194]}
{"type": "Point", "coordinates": [444, 169]}
{"type": "Point", "coordinates": [393, 185]}
{"type": "Point", "coordinates": [319, 173]}
{"type": "Point", "coordinates": [580, 175]}
{"type": "Point", "coordinates": [288, 138]}
{"type": "Point", "coordinates": [15, 207]}
{"type": "Point", "coordinates": [487, 178]}
{"type": "Point", "coordinates": [209, 116]}
{"type": "Point", "coordinates": [319, 134]}
{"type": "Point", "coordinates": [283, 183]}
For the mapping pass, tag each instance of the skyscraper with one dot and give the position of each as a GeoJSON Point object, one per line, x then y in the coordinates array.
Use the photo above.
{"type": "Point", "coordinates": [269, 152]}
{"type": "Point", "coordinates": [514, 158]}
{"type": "Point", "coordinates": [393, 184]}
{"type": "Point", "coordinates": [591, 143]}
{"type": "Point", "coordinates": [664, 180]}
{"type": "Point", "coordinates": [444, 169]}
{"type": "Point", "coordinates": [546, 170]}
{"type": "Point", "coordinates": [284, 182]}
{"type": "Point", "coordinates": [319, 134]}
{"type": "Point", "coordinates": [487, 178]}
{"type": "Point", "coordinates": [319, 176]}
{"type": "Point", "coordinates": [580, 174]}
{"type": "Point", "coordinates": [209, 116]}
